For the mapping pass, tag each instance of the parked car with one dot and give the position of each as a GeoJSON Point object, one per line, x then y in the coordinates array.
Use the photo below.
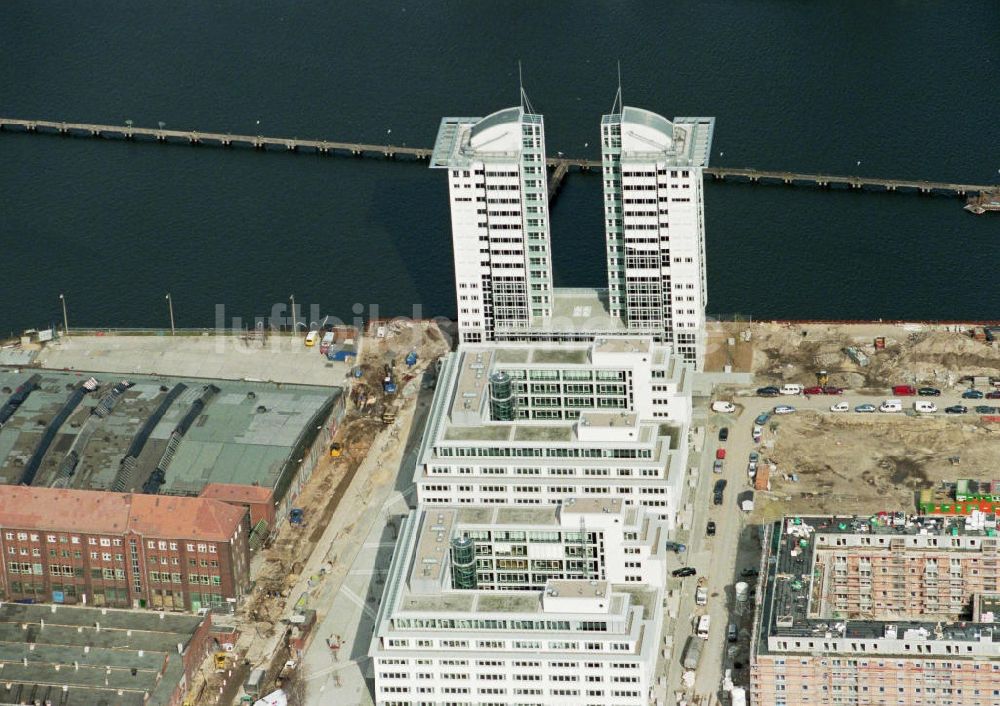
{"type": "Point", "coordinates": [724, 434]}
{"type": "Point", "coordinates": [813, 391]}
{"type": "Point", "coordinates": [732, 632]}
{"type": "Point", "coordinates": [756, 434]}
{"type": "Point", "coordinates": [684, 571]}
{"type": "Point", "coordinates": [749, 573]}
{"type": "Point", "coordinates": [790, 388]}
{"type": "Point", "coordinates": [769, 391]}
{"type": "Point", "coordinates": [841, 406]}
{"type": "Point", "coordinates": [718, 490]}
{"type": "Point", "coordinates": [865, 408]}
{"type": "Point", "coordinates": [994, 395]}
{"type": "Point", "coordinates": [754, 458]}
{"type": "Point", "coordinates": [761, 419]}
{"type": "Point", "coordinates": [831, 390]}
{"type": "Point", "coordinates": [985, 409]}
{"type": "Point", "coordinates": [929, 392]}
{"type": "Point", "coordinates": [723, 407]}
{"type": "Point", "coordinates": [710, 529]}
{"type": "Point", "coordinates": [972, 395]}
{"type": "Point", "coordinates": [904, 390]}
{"type": "Point", "coordinates": [717, 467]}
{"type": "Point", "coordinates": [784, 409]}
{"type": "Point", "coordinates": [720, 454]}
{"type": "Point", "coordinates": [956, 409]}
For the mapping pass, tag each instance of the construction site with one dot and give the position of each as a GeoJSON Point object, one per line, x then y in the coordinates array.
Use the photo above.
{"type": "Point", "coordinates": [304, 557]}
{"type": "Point", "coordinates": [857, 356]}
{"type": "Point", "coordinates": [863, 463]}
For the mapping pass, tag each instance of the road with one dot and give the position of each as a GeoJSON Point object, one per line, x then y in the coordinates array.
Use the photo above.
{"type": "Point", "coordinates": [720, 559]}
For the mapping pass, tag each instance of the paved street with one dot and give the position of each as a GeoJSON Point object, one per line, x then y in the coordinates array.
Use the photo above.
{"type": "Point", "coordinates": [721, 558]}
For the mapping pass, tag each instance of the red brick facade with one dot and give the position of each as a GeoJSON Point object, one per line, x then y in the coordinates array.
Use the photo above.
{"type": "Point", "coordinates": [121, 550]}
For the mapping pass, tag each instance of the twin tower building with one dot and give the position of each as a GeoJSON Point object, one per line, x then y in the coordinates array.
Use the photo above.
{"type": "Point", "coordinates": [654, 225]}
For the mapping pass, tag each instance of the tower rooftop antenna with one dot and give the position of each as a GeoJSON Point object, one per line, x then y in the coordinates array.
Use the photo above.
{"type": "Point", "coordinates": [523, 99]}
{"type": "Point", "coordinates": [618, 105]}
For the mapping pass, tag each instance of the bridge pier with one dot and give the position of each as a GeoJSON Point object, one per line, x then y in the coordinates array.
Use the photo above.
{"type": "Point", "coordinates": [160, 137]}
{"type": "Point", "coordinates": [788, 182]}
{"type": "Point", "coordinates": [95, 133]}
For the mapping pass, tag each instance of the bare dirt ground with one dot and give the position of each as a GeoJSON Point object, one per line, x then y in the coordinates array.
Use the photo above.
{"type": "Point", "coordinates": [863, 464]}
{"type": "Point", "coordinates": [913, 353]}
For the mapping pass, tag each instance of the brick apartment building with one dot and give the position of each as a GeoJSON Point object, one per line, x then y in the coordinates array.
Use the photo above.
{"type": "Point", "coordinates": [121, 550]}
{"type": "Point", "coordinates": [878, 612]}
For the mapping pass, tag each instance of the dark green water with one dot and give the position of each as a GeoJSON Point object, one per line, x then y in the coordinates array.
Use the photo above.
{"type": "Point", "coordinates": [909, 89]}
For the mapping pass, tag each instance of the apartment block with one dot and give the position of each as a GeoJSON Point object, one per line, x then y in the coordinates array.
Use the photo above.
{"type": "Point", "coordinates": [533, 424]}
{"type": "Point", "coordinates": [878, 611]}
{"type": "Point", "coordinates": [504, 605]}
{"type": "Point", "coordinates": [122, 550]}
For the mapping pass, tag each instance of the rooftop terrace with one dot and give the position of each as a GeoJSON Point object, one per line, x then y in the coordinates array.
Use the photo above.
{"type": "Point", "coordinates": [790, 592]}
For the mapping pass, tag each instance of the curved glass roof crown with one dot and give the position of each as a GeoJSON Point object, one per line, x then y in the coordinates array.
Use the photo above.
{"type": "Point", "coordinates": [501, 117]}
{"type": "Point", "coordinates": [647, 118]}
{"type": "Point", "coordinates": [508, 116]}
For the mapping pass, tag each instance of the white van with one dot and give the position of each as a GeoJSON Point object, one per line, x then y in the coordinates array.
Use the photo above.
{"type": "Point", "coordinates": [791, 389]}
{"type": "Point", "coordinates": [891, 406]}
{"type": "Point", "coordinates": [704, 622]}
{"type": "Point", "coordinates": [723, 406]}
{"type": "Point", "coordinates": [924, 406]}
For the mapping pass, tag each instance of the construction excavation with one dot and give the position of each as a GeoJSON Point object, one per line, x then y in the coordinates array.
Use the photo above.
{"type": "Point", "coordinates": [383, 390]}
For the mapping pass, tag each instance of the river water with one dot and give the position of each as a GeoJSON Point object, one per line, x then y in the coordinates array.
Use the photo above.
{"type": "Point", "coordinates": [908, 89]}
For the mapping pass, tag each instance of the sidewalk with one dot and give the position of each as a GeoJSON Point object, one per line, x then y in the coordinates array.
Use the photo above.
{"type": "Point", "coordinates": [374, 486]}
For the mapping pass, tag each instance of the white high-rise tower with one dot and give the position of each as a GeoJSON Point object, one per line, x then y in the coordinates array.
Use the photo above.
{"type": "Point", "coordinates": [499, 218]}
{"type": "Point", "coordinates": [654, 219]}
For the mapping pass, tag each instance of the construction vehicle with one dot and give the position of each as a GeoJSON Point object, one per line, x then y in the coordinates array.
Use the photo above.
{"type": "Point", "coordinates": [295, 516]}
{"type": "Point", "coordinates": [389, 382]}
{"type": "Point", "coordinates": [220, 660]}
{"type": "Point", "coordinates": [411, 359]}
{"type": "Point", "coordinates": [335, 450]}
{"type": "Point", "coordinates": [388, 415]}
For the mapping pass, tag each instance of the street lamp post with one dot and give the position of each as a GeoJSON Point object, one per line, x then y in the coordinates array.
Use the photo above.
{"type": "Point", "coordinates": [292, 297]}
{"type": "Point", "coordinates": [170, 306]}
{"type": "Point", "coordinates": [62, 298]}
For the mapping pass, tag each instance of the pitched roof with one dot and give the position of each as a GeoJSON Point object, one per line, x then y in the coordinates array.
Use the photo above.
{"type": "Point", "coordinates": [238, 493]}
{"type": "Point", "coordinates": [184, 518]}
{"type": "Point", "coordinates": [97, 512]}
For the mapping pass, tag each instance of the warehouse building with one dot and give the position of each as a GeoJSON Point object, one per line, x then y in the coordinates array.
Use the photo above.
{"type": "Point", "coordinates": [75, 656]}
{"type": "Point", "coordinates": [507, 605]}
{"type": "Point", "coordinates": [122, 550]}
{"type": "Point", "coordinates": [882, 610]}
{"type": "Point", "coordinates": [532, 424]}
{"type": "Point", "coordinates": [157, 434]}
